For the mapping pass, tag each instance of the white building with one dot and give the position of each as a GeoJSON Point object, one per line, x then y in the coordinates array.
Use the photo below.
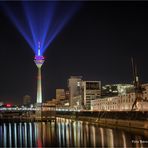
{"type": "Point", "coordinates": [121, 102]}
{"type": "Point", "coordinates": [75, 87]}
{"type": "Point", "coordinates": [145, 91]}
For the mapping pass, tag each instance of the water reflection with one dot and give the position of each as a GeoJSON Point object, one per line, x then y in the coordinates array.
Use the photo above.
{"type": "Point", "coordinates": [68, 133]}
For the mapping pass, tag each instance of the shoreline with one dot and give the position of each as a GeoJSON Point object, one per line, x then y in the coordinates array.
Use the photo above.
{"type": "Point", "coordinates": [143, 125]}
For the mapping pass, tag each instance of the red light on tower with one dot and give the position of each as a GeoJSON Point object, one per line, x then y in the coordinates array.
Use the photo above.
{"type": "Point", "coordinates": [8, 105]}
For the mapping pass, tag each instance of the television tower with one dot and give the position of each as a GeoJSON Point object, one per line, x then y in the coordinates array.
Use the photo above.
{"type": "Point", "coordinates": [39, 60]}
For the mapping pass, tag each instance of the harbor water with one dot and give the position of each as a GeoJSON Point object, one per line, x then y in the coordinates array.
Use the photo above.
{"type": "Point", "coordinates": [68, 133]}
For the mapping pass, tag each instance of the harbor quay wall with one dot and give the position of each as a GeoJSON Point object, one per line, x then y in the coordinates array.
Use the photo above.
{"type": "Point", "coordinates": [131, 119]}
{"type": "Point", "coordinates": [135, 119]}
{"type": "Point", "coordinates": [119, 122]}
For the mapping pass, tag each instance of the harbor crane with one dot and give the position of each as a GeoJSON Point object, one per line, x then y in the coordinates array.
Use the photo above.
{"type": "Point", "coordinates": [137, 87]}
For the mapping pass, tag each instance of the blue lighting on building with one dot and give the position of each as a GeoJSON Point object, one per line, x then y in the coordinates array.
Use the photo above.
{"type": "Point", "coordinates": [40, 21]}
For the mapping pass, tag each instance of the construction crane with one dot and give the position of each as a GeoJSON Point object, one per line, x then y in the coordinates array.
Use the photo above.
{"type": "Point", "coordinates": [137, 86]}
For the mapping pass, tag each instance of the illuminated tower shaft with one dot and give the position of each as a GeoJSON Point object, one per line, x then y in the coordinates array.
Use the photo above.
{"type": "Point", "coordinates": [39, 86]}
{"type": "Point", "coordinates": [39, 60]}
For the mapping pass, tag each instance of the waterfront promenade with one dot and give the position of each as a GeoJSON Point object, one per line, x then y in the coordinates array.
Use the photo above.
{"type": "Point", "coordinates": [130, 119]}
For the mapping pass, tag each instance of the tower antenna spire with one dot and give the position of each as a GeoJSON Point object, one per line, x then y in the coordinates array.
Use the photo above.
{"type": "Point", "coordinates": [39, 48]}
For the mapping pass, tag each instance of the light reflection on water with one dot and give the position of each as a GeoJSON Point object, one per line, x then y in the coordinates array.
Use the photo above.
{"type": "Point", "coordinates": [68, 133]}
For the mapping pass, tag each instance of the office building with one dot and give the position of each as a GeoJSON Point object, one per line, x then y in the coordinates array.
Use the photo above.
{"type": "Point", "coordinates": [91, 91]}
{"type": "Point", "coordinates": [75, 87]}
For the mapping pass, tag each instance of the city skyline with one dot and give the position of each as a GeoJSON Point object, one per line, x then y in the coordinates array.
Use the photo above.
{"type": "Point", "coordinates": [97, 43]}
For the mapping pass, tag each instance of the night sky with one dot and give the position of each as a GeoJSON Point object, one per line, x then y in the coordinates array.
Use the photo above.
{"type": "Point", "coordinates": [97, 43]}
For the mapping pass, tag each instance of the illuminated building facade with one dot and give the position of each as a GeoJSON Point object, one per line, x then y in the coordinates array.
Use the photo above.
{"type": "Point", "coordinates": [67, 94]}
{"type": "Point", "coordinates": [145, 91]}
{"type": "Point", "coordinates": [60, 94]}
{"type": "Point", "coordinates": [75, 87]}
{"type": "Point", "coordinates": [39, 60]}
{"type": "Point", "coordinates": [116, 89]}
{"type": "Point", "coordinates": [121, 102]}
{"type": "Point", "coordinates": [91, 91]}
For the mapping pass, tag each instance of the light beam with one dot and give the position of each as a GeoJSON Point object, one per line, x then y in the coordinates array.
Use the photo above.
{"type": "Point", "coordinates": [40, 21]}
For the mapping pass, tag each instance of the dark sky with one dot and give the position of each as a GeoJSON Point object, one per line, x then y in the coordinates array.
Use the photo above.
{"type": "Point", "coordinates": [97, 44]}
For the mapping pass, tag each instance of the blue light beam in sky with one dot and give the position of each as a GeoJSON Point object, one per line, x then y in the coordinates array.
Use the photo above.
{"type": "Point", "coordinates": [40, 21]}
{"type": "Point", "coordinates": [21, 25]}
